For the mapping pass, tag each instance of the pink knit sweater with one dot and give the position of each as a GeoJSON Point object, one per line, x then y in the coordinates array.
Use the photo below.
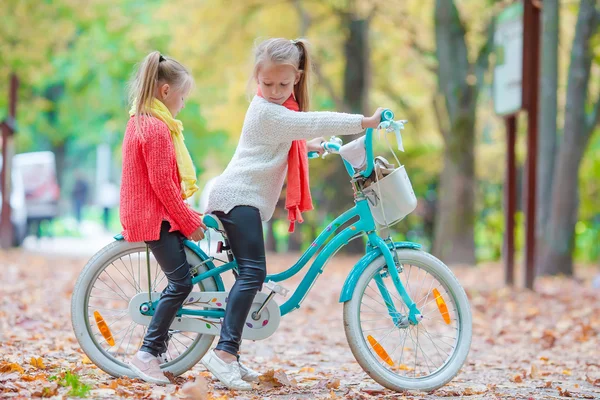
{"type": "Point", "coordinates": [150, 188]}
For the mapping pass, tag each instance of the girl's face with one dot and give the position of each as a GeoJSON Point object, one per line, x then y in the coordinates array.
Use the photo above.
{"type": "Point", "coordinates": [276, 81]}
{"type": "Point", "coordinates": [174, 99]}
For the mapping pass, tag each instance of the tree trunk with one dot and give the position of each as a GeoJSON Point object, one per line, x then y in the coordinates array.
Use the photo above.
{"type": "Point", "coordinates": [454, 226]}
{"type": "Point", "coordinates": [556, 255]}
{"type": "Point", "coordinates": [295, 240]}
{"type": "Point", "coordinates": [547, 116]}
{"type": "Point", "coordinates": [60, 156]}
{"type": "Point", "coordinates": [270, 242]}
{"type": "Point", "coordinates": [356, 95]}
{"type": "Point", "coordinates": [356, 72]}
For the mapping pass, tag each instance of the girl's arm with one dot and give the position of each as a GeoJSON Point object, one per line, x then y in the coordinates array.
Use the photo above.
{"type": "Point", "coordinates": [281, 125]}
{"type": "Point", "coordinates": [159, 154]}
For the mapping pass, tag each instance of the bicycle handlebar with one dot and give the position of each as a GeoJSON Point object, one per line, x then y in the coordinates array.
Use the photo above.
{"type": "Point", "coordinates": [332, 147]}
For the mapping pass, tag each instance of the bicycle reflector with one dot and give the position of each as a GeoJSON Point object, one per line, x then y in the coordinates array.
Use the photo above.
{"type": "Point", "coordinates": [441, 304]}
{"type": "Point", "coordinates": [104, 329]}
{"type": "Point", "coordinates": [380, 351]}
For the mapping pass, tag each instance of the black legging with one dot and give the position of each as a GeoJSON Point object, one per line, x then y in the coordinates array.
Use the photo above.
{"type": "Point", "coordinates": [243, 226]}
{"type": "Point", "coordinates": [169, 251]}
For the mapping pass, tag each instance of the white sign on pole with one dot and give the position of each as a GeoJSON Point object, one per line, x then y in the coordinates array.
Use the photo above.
{"type": "Point", "coordinates": [508, 72]}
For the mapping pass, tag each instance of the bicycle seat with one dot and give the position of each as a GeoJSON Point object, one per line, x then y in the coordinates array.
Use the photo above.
{"type": "Point", "coordinates": [211, 221]}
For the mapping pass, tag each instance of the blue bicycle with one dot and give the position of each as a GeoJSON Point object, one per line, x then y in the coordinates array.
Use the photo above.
{"type": "Point", "coordinates": [406, 317]}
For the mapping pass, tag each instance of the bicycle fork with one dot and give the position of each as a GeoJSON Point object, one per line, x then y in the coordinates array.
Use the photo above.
{"type": "Point", "coordinates": [414, 315]}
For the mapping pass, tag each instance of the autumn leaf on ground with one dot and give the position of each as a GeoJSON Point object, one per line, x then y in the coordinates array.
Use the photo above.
{"type": "Point", "coordinates": [534, 373]}
{"type": "Point", "coordinates": [548, 339]}
{"type": "Point", "coordinates": [563, 393]}
{"type": "Point", "coordinates": [594, 382]}
{"type": "Point", "coordinates": [475, 390]}
{"type": "Point", "coordinates": [46, 391]}
{"type": "Point", "coordinates": [306, 369]}
{"type": "Point", "coordinates": [327, 383]}
{"type": "Point", "coordinates": [197, 390]}
{"type": "Point", "coordinates": [276, 378]}
{"type": "Point", "coordinates": [517, 378]}
{"type": "Point", "coordinates": [37, 363]}
{"type": "Point", "coordinates": [11, 367]}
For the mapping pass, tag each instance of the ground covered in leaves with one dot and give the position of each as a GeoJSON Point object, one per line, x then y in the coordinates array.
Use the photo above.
{"type": "Point", "coordinates": [526, 345]}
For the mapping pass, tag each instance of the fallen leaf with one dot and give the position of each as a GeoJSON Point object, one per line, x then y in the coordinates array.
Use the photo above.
{"type": "Point", "coordinates": [332, 395]}
{"type": "Point", "coordinates": [197, 390]}
{"type": "Point", "coordinates": [567, 372]}
{"type": "Point", "coordinates": [47, 391]}
{"type": "Point", "coordinates": [37, 363]}
{"type": "Point", "coordinates": [548, 339]}
{"type": "Point", "coordinates": [534, 371]}
{"type": "Point", "coordinates": [594, 382]}
{"type": "Point", "coordinates": [31, 378]}
{"type": "Point", "coordinates": [10, 376]}
{"type": "Point", "coordinates": [86, 360]}
{"type": "Point", "coordinates": [276, 378]}
{"type": "Point", "coordinates": [306, 369]}
{"type": "Point", "coordinates": [563, 393]}
{"type": "Point", "coordinates": [327, 384]}
{"type": "Point", "coordinates": [475, 390]}
{"type": "Point", "coordinates": [517, 379]}
{"type": "Point", "coordinates": [11, 367]}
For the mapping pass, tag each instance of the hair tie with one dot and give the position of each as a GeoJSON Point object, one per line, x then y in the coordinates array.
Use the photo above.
{"type": "Point", "coordinates": [293, 42]}
{"type": "Point", "coordinates": [161, 58]}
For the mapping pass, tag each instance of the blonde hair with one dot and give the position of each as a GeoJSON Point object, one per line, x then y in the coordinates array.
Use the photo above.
{"type": "Point", "coordinates": [154, 71]}
{"type": "Point", "coordinates": [292, 52]}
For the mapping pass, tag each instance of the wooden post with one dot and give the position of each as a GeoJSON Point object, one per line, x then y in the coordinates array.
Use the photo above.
{"type": "Point", "coordinates": [8, 129]}
{"type": "Point", "coordinates": [531, 68]}
{"type": "Point", "coordinates": [510, 192]}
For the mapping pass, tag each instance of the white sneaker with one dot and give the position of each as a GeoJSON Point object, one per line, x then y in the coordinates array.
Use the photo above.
{"type": "Point", "coordinates": [149, 370]}
{"type": "Point", "coordinates": [249, 375]}
{"type": "Point", "coordinates": [228, 374]}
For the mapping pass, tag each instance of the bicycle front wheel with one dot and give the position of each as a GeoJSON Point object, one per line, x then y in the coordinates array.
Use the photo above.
{"type": "Point", "coordinates": [398, 355]}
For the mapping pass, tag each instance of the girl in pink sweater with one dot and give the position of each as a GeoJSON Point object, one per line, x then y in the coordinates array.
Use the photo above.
{"type": "Point", "coordinates": [158, 175]}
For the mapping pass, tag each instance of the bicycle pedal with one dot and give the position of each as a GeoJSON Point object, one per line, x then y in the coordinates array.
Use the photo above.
{"type": "Point", "coordinates": [222, 247]}
{"type": "Point", "coordinates": [274, 287]}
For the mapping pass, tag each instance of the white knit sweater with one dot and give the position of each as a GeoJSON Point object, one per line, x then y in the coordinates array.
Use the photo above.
{"type": "Point", "coordinates": [255, 174]}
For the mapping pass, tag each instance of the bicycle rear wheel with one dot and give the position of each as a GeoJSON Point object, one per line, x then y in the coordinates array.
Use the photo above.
{"type": "Point", "coordinates": [101, 298]}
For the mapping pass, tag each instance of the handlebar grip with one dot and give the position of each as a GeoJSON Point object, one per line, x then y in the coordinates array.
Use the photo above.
{"type": "Point", "coordinates": [312, 154]}
{"type": "Point", "coordinates": [387, 115]}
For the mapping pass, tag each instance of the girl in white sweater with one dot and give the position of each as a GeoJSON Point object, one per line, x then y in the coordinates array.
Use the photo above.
{"type": "Point", "coordinates": [273, 141]}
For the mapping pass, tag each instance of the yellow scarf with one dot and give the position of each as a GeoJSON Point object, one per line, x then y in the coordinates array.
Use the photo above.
{"type": "Point", "coordinates": [187, 172]}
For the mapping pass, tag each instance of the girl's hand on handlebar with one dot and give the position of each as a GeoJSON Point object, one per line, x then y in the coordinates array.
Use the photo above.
{"type": "Point", "coordinates": [315, 145]}
{"type": "Point", "coordinates": [372, 121]}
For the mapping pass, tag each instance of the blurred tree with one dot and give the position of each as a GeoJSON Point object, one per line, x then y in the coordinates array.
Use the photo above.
{"type": "Point", "coordinates": [548, 113]}
{"type": "Point", "coordinates": [459, 82]}
{"type": "Point", "coordinates": [558, 243]}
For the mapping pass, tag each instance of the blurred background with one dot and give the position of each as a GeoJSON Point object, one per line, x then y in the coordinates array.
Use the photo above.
{"type": "Point", "coordinates": [431, 62]}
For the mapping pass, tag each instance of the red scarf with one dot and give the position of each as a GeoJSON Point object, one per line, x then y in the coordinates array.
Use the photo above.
{"type": "Point", "coordinates": [298, 197]}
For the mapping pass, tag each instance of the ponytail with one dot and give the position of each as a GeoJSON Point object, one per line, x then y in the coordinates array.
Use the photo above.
{"type": "Point", "coordinates": [302, 88]}
{"type": "Point", "coordinates": [142, 88]}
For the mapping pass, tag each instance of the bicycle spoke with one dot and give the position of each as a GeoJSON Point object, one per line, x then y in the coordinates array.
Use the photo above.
{"type": "Point", "coordinates": [437, 348]}
{"type": "Point", "coordinates": [119, 286]}
{"type": "Point", "coordinates": [135, 286]}
{"type": "Point", "coordinates": [126, 298]}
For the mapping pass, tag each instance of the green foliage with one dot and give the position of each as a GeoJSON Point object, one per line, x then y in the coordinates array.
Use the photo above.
{"type": "Point", "coordinates": [68, 378]}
